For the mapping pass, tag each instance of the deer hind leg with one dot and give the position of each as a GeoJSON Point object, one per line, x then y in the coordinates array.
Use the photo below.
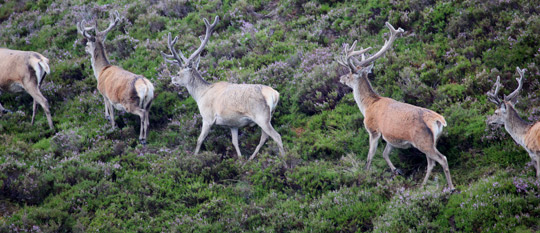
{"type": "Point", "coordinates": [234, 134]}
{"type": "Point", "coordinates": [34, 109]}
{"type": "Point", "coordinates": [536, 162]}
{"type": "Point", "coordinates": [373, 142]}
{"type": "Point", "coordinates": [204, 132]}
{"type": "Point", "coordinates": [430, 165]}
{"type": "Point", "coordinates": [38, 97]}
{"type": "Point", "coordinates": [3, 110]}
{"type": "Point", "coordinates": [264, 137]}
{"type": "Point", "coordinates": [441, 159]}
{"type": "Point", "coordinates": [146, 122]}
{"type": "Point", "coordinates": [142, 114]}
{"type": "Point", "coordinates": [106, 102]}
{"type": "Point", "coordinates": [268, 129]}
{"type": "Point", "coordinates": [386, 156]}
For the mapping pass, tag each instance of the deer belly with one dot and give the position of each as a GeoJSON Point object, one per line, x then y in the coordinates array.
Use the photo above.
{"type": "Point", "coordinates": [15, 87]}
{"type": "Point", "coordinates": [233, 121]}
{"type": "Point", "coordinates": [118, 107]}
{"type": "Point", "coordinates": [398, 143]}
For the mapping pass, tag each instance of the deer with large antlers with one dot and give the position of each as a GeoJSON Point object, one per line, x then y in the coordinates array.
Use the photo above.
{"type": "Point", "coordinates": [223, 103]}
{"type": "Point", "coordinates": [524, 133]}
{"type": "Point", "coordinates": [25, 70]}
{"type": "Point", "coordinates": [120, 89]}
{"type": "Point", "coordinates": [401, 125]}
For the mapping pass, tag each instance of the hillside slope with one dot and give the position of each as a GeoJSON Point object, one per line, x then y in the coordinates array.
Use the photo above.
{"type": "Point", "coordinates": [86, 177]}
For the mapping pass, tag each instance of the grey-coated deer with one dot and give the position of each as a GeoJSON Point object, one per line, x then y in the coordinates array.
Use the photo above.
{"type": "Point", "coordinates": [223, 103]}
{"type": "Point", "coordinates": [25, 70]}
{"type": "Point", "coordinates": [120, 89]}
{"type": "Point", "coordinates": [401, 125]}
{"type": "Point", "coordinates": [524, 133]}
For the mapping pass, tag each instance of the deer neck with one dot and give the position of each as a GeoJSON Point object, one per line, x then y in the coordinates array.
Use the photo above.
{"type": "Point", "coordinates": [515, 126]}
{"type": "Point", "coordinates": [99, 59]}
{"type": "Point", "coordinates": [197, 86]}
{"type": "Point", "coordinates": [364, 95]}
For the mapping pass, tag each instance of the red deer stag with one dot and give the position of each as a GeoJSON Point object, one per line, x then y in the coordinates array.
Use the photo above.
{"type": "Point", "coordinates": [120, 89]}
{"type": "Point", "coordinates": [400, 125]}
{"type": "Point", "coordinates": [24, 70]}
{"type": "Point", "coordinates": [223, 103]}
{"type": "Point", "coordinates": [524, 133]}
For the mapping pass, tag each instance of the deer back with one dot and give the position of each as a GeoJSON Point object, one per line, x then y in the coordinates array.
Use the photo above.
{"type": "Point", "coordinates": [124, 87]}
{"type": "Point", "coordinates": [403, 122]}
{"type": "Point", "coordinates": [225, 99]}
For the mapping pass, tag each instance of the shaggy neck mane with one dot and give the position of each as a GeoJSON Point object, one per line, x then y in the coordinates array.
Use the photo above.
{"type": "Point", "coordinates": [515, 126]}
{"type": "Point", "coordinates": [99, 59]}
{"type": "Point", "coordinates": [197, 86]}
{"type": "Point", "coordinates": [364, 94]}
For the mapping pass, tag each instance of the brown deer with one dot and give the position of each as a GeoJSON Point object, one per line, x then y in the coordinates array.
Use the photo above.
{"type": "Point", "coordinates": [223, 103]}
{"type": "Point", "coordinates": [24, 70]}
{"type": "Point", "coordinates": [120, 89]}
{"type": "Point", "coordinates": [401, 125]}
{"type": "Point", "coordinates": [524, 133]}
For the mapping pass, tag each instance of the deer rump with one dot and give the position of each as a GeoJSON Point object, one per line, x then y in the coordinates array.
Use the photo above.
{"type": "Point", "coordinates": [238, 105]}
{"type": "Point", "coordinates": [112, 84]}
{"type": "Point", "coordinates": [11, 61]}
{"type": "Point", "coordinates": [399, 123]}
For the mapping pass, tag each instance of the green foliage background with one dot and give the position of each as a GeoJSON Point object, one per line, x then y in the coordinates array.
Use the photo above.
{"type": "Point", "coordinates": [84, 176]}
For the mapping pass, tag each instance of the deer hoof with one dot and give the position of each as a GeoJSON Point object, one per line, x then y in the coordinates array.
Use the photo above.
{"type": "Point", "coordinates": [398, 172]}
{"type": "Point", "coordinates": [143, 142]}
{"type": "Point", "coordinates": [4, 111]}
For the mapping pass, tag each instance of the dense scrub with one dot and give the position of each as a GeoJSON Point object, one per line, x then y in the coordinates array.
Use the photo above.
{"type": "Point", "coordinates": [87, 177]}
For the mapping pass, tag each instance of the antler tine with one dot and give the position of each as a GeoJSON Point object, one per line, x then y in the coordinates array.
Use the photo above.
{"type": "Point", "coordinates": [354, 61]}
{"type": "Point", "coordinates": [209, 30]}
{"type": "Point", "coordinates": [513, 96]}
{"type": "Point", "coordinates": [492, 96]}
{"type": "Point", "coordinates": [114, 19]}
{"type": "Point", "coordinates": [84, 30]}
{"type": "Point", "coordinates": [174, 54]}
{"type": "Point", "coordinates": [387, 44]}
{"type": "Point", "coordinates": [342, 60]}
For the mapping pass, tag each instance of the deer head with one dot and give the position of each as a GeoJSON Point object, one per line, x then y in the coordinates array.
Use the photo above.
{"type": "Point", "coordinates": [95, 42]}
{"type": "Point", "coordinates": [363, 67]}
{"type": "Point", "coordinates": [501, 114]}
{"type": "Point", "coordinates": [188, 66]}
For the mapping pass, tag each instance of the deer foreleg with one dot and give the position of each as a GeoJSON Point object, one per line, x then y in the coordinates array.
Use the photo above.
{"type": "Point", "coordinates": [386, 156]}
{"type": "Point", "coordinates": [204, 132]}
{"type": "Point", "coordinates": [373, 142]}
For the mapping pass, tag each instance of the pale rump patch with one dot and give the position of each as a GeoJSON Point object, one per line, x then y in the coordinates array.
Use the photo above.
{"type": "Point", "coordinates": [435, 122]}
{"type": "Point", "coordinates": [271, 96]}
{"type": "Point", "coordinates": [145, 92]}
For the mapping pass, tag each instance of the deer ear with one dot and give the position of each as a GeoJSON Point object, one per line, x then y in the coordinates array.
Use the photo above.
{"type": "Point", "coordinates": [367, 70]}
{"type": "Point", "coordinates": [503, 107]}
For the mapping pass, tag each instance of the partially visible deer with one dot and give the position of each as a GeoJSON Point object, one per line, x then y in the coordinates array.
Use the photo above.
{"type": "Point", "coordinates": [524, 133]}
{"type": "Point", "coordinates": [223, 103]}
{"type": "Point", "coordinates": [24, 70]}
{"type": "Point", "coordinates": [120, 89]}
{"type": "Point", "coordinates": [401, 125]}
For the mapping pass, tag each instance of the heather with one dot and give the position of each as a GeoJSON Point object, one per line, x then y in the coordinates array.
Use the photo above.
{"type": "Point", "coordinates": [85, 176]}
